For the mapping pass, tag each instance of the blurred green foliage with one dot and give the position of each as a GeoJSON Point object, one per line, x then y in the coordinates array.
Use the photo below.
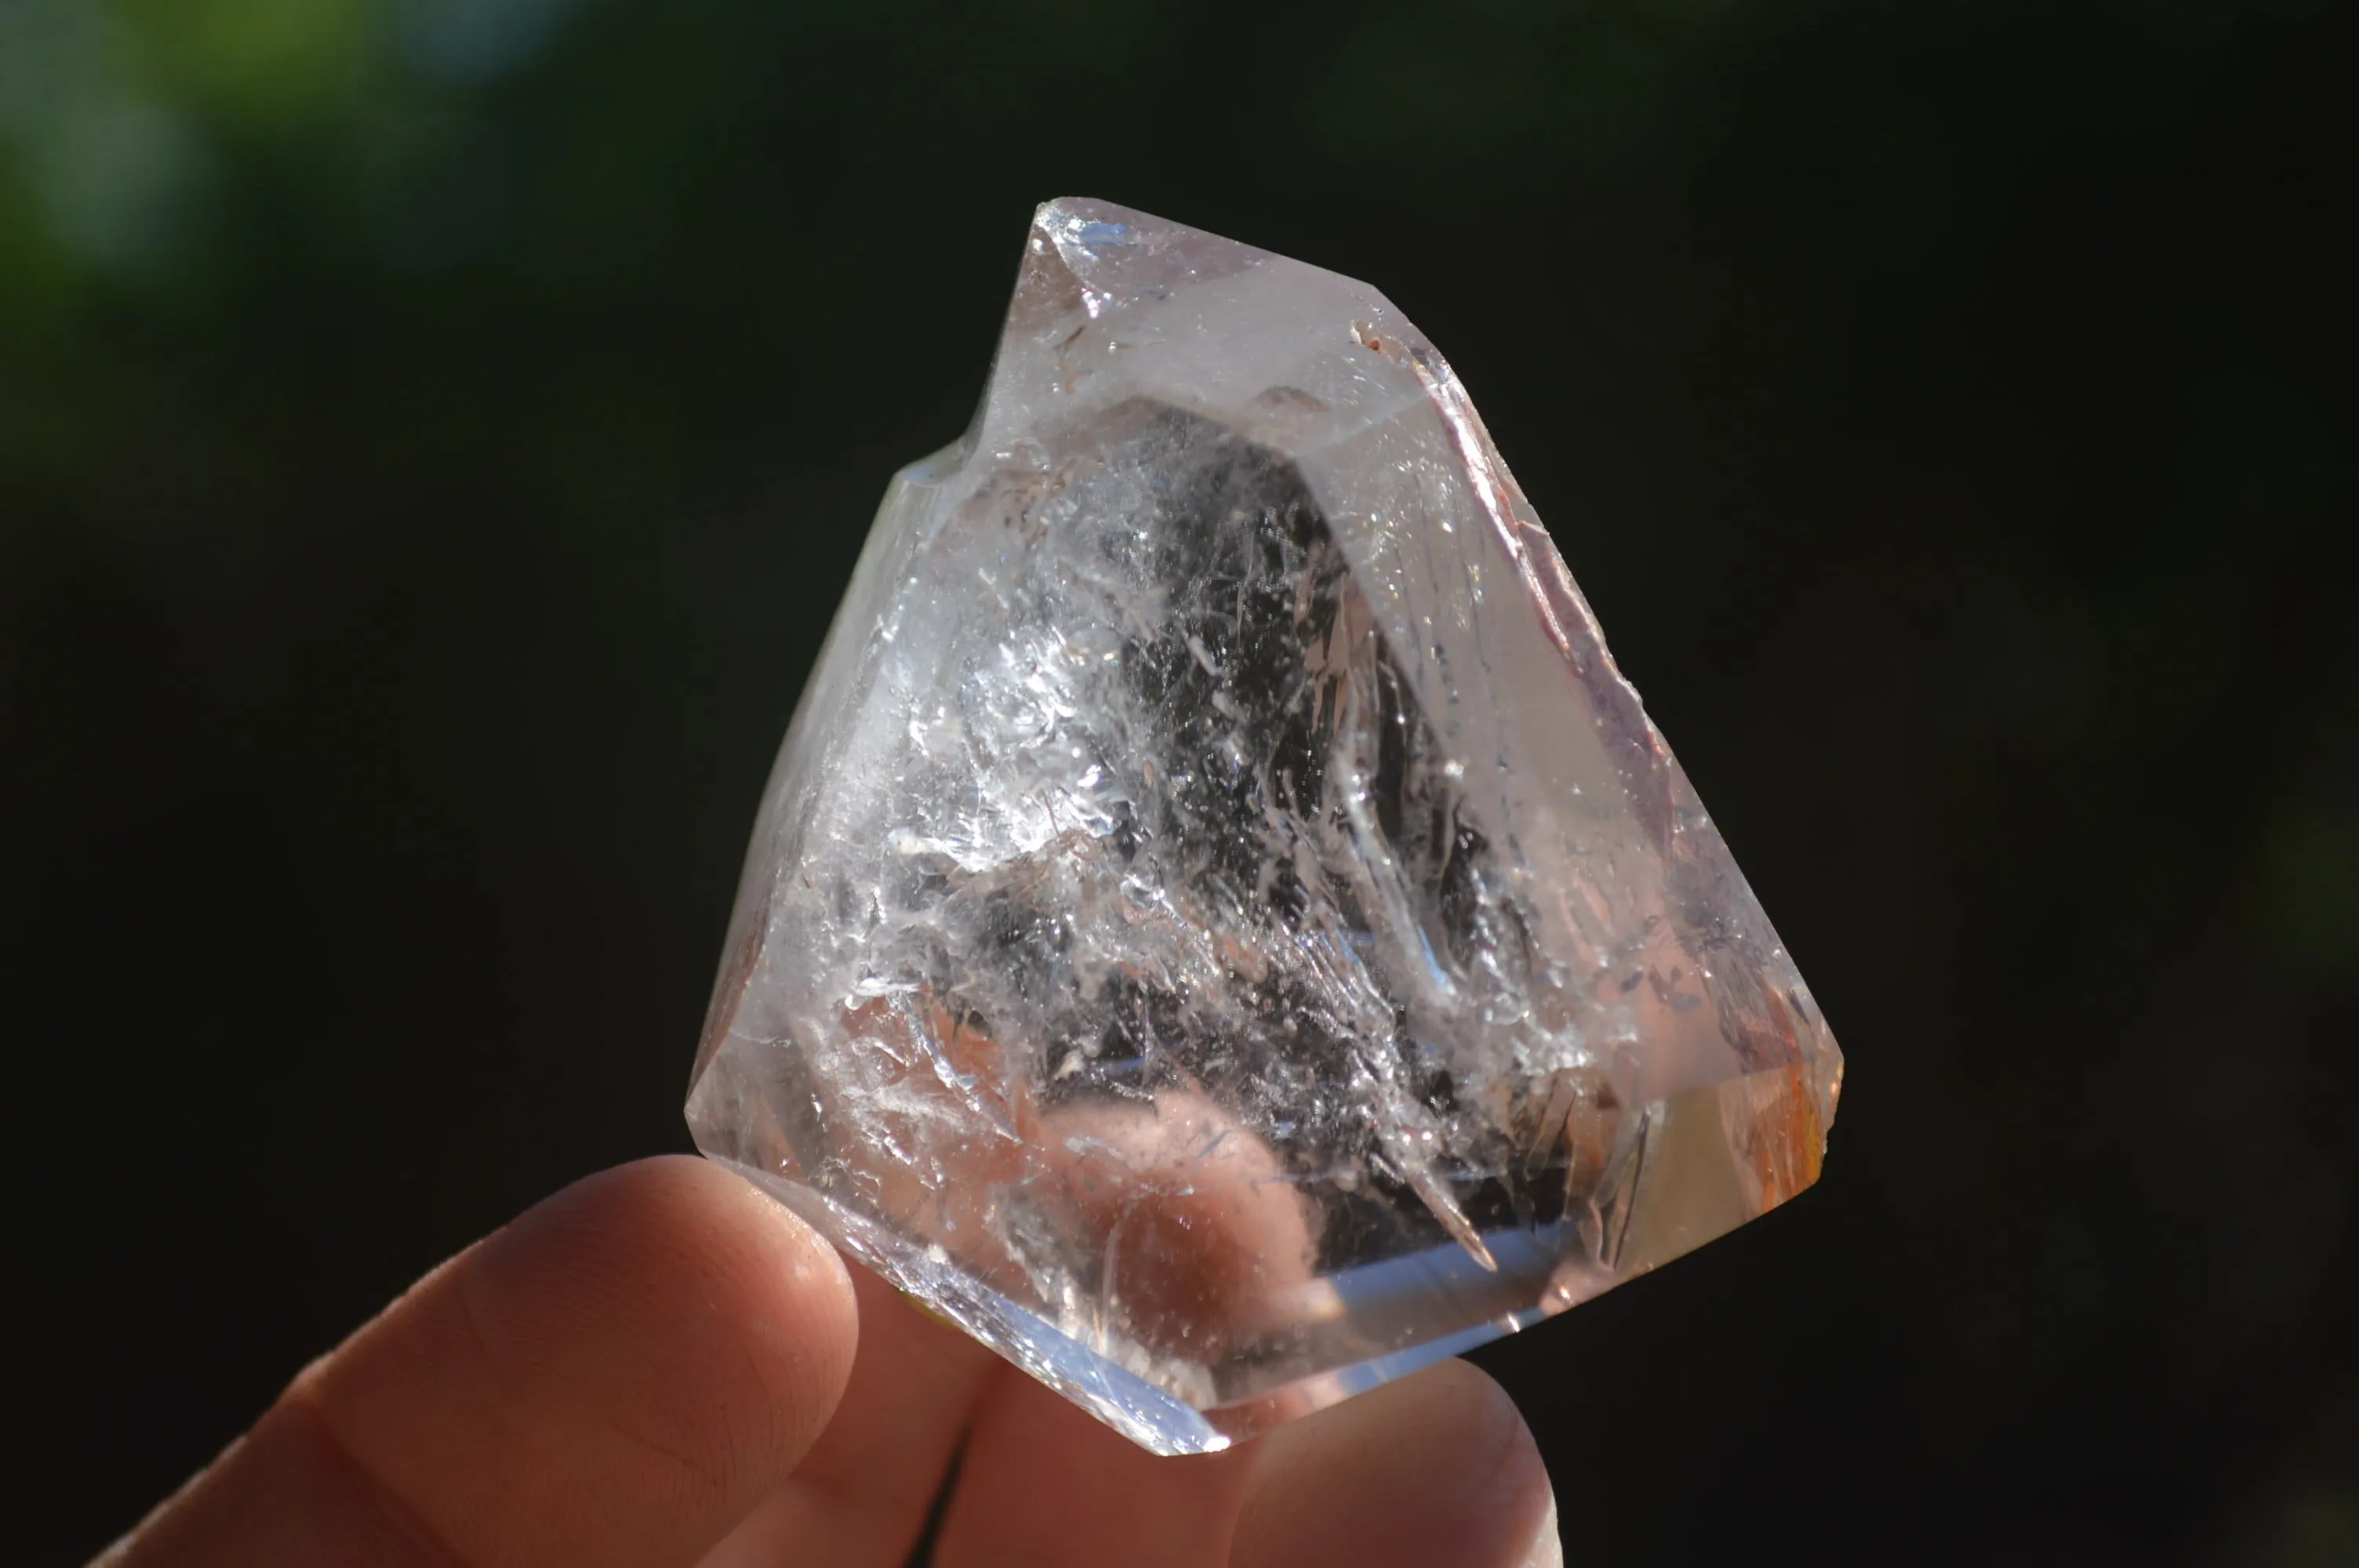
{"type": "Point", "coordinates": [433, 434]}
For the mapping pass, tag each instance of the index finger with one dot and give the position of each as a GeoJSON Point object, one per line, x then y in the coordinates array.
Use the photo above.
{"type": "Point", "coordinates": [615, 1379]}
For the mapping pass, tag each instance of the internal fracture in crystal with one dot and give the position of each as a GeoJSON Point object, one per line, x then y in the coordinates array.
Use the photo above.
{"type": "Point", "coordinates": [1220, 930]}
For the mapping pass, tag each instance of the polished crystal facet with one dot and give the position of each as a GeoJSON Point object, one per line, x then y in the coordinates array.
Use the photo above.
{"type": "Point", "coordinates": [1220, 930]}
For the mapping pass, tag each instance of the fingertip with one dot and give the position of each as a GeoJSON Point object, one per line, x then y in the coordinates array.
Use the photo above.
{"type": "Point", "coordinates": [1437, 1468]}
{"type": "Point", "coordinates": [728, 1324]}
{"type": "Point", "coordinates": [644, 1355]}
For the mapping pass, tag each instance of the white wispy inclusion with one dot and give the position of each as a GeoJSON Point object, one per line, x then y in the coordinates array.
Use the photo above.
{"type": "Point", "coordinates": [1221, 929]}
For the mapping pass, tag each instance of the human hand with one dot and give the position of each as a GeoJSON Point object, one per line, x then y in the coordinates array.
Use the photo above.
{"type": "Point", "coordinates": [660, 1366]}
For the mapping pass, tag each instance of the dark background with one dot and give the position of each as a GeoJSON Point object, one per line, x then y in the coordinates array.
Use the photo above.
{"type": "Point", "coordinates": [433, 435]}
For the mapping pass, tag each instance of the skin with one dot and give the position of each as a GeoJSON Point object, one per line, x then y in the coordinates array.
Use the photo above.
{"type": "Point", "coordinates": [659, 1366]}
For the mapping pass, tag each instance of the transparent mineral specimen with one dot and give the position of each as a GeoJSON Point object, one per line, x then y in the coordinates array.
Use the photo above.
{"type": "Point", "coordinates": [1221, 929]}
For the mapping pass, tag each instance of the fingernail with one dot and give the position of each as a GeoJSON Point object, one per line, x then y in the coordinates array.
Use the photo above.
{"type": "Point", "coordinates": [1547, 1549]}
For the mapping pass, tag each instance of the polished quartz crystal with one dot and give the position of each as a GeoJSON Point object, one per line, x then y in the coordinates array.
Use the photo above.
{"type": "Point", "coordinates": [1220, 930]}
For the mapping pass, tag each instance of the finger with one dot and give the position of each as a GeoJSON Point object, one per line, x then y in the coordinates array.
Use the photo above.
{"type": "Point", "coordinates": [861, 1497]}
{"type": "Point", "coordinates": [1205, 1245]}
{"type": "Point", "coordinates": [616, 1377]}
{"type": "Point", "coordinates": [1045, 1485]}
{"type": "Point", "coordinates": [1202, 1237]}
{"type": "Point", "coordinates": [1437, 1471]}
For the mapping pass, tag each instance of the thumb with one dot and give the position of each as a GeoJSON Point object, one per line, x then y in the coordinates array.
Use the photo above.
{"type": "Point", "coordinates": [616, 1377]}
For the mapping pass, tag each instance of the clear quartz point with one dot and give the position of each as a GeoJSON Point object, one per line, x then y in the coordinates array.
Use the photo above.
{"type": "Point", "coordinates": [1220, 930]}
